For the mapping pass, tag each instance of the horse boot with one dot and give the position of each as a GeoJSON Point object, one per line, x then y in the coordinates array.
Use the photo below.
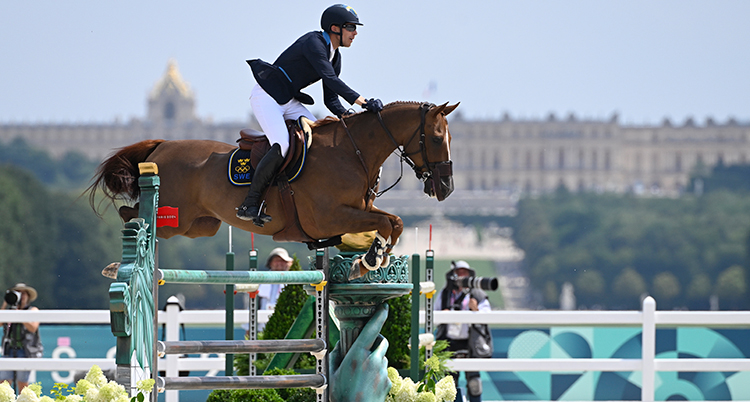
{"type": "Point", "coordinates": [264, 173]}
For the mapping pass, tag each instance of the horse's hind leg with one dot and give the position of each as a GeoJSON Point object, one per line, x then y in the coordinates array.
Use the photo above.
{"type": "Point", "coordinates": [127, 213]}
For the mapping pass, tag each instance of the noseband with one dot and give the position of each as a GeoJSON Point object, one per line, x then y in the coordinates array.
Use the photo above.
{"type": "Point", "coordinates": [428, 170]}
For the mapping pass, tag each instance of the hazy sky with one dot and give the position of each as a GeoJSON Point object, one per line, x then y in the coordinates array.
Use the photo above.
{"type": "Point", "coordinates": [79, 61]}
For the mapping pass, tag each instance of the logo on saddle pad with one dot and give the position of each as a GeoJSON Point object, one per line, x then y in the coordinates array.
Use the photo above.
{"type": "Point", "coordinates": [254, 145]}
{"type": "Point", "coordinates": [241, 171]}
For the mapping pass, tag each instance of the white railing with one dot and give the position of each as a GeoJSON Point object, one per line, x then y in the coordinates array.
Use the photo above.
{"type": "Point", "coordinates": [648, 319]}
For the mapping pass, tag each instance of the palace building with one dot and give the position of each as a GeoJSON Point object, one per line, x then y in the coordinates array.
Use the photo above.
{"type": "Point", "coordinates": [491, 158]}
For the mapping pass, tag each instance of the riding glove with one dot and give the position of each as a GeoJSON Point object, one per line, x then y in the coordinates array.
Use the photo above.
{"type": "Point", "coordinates": [373, 105]}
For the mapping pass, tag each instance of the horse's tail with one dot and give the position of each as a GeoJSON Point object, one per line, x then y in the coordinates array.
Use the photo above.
{"type": "Point", "coordinates": [117, 176]}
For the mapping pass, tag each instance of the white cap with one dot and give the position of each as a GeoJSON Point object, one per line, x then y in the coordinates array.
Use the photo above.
{"type": "Point", "coordinates": [461, 264]}
{"type": "Point", "coordinates": [279, 252]}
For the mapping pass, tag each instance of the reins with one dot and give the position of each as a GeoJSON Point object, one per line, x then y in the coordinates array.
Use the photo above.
{"type": "Point", "coordinates": [422, 175]}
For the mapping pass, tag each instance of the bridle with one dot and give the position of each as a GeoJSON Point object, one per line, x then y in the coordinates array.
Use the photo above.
{"type": "Point", "coordinates": [427, 170]}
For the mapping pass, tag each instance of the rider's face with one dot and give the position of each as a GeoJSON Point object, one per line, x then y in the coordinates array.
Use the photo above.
{"type": "Point", "coordinates": [347, 36]}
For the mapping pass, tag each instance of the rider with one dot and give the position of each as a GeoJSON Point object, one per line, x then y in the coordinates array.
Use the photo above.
{"type": "Point", "coordinates": [277, 96]}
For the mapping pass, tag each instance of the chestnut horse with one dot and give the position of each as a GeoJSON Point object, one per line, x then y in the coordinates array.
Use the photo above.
{"type": "Point", "coordinates": [333, 194]}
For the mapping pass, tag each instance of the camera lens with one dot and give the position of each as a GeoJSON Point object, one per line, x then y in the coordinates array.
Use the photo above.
{"type": "Point", "coordinates": [12, 297]}
{"type": "Point", "coordinates": [477, 282]}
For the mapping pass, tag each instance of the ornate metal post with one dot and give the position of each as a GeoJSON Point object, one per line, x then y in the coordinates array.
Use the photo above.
{"type": "Point", "coordinates": [131, 298]}
{"type": "Point", "coordinates": [356, 301]}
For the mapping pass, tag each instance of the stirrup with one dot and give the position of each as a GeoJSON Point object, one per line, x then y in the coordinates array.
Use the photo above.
{"type": "Point", "coordinates": [242, 213]}
{"type": "Point", "coordinates": [259, 219]}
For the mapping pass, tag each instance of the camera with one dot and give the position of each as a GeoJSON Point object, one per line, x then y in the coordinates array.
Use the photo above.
{"type": "Point", "coordinates": [12, 297]}
{"type": "Point", "coordinates": [474, 282]}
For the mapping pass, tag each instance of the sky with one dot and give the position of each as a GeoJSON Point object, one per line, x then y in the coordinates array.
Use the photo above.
{"type": "Point", "coordinates": [96, 61]}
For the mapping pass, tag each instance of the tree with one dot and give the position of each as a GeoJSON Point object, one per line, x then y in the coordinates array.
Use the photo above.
{"type": "Point", "coordinates": [628, 288]}
{"type": "Point", "coordinates": [666, 288]}
{"type": "Point", "coordinates": [27, 233]}
{"type": "Point", "coordinates": [590, 288]}
{"type": "Point", "coordinates": [731, 286]}
{"type": "Point", "coordinates": [698, 292]}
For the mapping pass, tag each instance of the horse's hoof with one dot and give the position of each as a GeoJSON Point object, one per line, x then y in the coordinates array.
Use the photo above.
{"type": "Point", "coordinates": [371, 262]}
{"type": "Point", "coordinates": [357, 270]}
{"type": "Point", "coordinates": [386, 260]}
{"type": "Point", "coordinates": [110, 271]}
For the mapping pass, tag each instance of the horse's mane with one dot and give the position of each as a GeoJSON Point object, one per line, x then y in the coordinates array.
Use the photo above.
{"type": "Point", "coordinates": [332, 119]}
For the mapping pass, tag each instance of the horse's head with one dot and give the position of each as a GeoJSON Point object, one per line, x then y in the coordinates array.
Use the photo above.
{"type": "Point", "coordinates": [433, 163]}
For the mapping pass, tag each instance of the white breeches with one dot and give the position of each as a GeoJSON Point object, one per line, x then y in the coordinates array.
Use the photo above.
{"type": "Point", "coordinates": [271, 116]}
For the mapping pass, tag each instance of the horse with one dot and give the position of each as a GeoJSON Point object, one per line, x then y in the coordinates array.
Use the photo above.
{"type": "Point", "coordinates": [334, 192]}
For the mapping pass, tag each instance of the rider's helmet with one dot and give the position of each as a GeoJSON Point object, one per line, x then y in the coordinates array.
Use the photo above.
{"type": "Point", "coordinates": [338, 14]}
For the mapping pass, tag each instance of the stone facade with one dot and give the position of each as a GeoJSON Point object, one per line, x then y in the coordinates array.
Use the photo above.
{"type": "Point", "coordinates": [536, 156]}
{"type": "Point", "coordinates": [506, 156]}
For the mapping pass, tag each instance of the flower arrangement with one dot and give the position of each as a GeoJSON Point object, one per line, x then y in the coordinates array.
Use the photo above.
{"type": "Point", "coordinates": [431, 388]}
{"type": "Point", "coordinates": [92, 388]}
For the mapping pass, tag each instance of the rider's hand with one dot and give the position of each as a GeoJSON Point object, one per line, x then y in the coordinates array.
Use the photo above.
{"type": "Point", "coordinates": [373, 105]}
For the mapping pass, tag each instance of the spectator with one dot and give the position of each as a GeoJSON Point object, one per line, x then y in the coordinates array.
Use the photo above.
{"type": "Point", "coordinates": [20, 339]}
{"type": "Point", "coordinates": [454, 297]}
{"type": "Point", "coordinates": [278, 260]}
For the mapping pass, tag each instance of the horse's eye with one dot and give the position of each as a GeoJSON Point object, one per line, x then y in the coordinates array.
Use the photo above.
{"type": "Point", "coordinates": [437, 140]}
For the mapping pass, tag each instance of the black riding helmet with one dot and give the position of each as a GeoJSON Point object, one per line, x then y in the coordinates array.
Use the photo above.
{"type": "Point", "coordinates": [338, 14]}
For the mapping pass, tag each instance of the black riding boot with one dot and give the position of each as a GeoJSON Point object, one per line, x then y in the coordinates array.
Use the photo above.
{"type": "Point", "coordinates": [264, 173]}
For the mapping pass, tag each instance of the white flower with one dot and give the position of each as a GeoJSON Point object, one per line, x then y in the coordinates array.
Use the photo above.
{"type": "Point", "coordinates": [147, 385]}
{"type": "Point", "coordinates": [37, 388]}
{"type": "Point", "coordinates": [73, 398]}
{"type": "Point", "coordinates": [6, 392]}
{"type": "Point", "coordinates": [92, 395]}
{"type": "Point", "coordinates": [46, 398]}
{"type": "Point", "coordinates": [111, 392]}
{"type": "Point", "coordinates": [445, 389]}
{"type": "Point", "coordinates": [96, 376]}
{"type": "Point", "coordinates": [82, 386]}
{"type": "Point", "coordinates": [426, 397]}
{"type": "Point", "coordinates": [408, 391]}
{"type": "Point", "coordinates": [433, 363]}
{"type": "Point", "coordinates": [28, 395]}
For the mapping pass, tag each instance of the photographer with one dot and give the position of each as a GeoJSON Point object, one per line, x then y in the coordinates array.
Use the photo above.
{"type": "Point", "coordinates": [456, 295]}
{"type": "Point", "coordinates": [20, 339]}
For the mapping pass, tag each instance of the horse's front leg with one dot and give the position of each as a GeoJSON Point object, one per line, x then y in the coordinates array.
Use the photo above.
{"type": "Point", "coordinates": [357, 221]}
{"type": "Point", "coordinates": [398, 227]}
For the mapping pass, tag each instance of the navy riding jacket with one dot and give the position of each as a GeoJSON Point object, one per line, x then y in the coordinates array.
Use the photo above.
{"type": "Point", "coordinates": [305, 62]}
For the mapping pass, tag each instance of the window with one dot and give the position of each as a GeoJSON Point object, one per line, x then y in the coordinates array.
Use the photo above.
{"type": "Point", "coordinates": [561, 159]}
{"type": "Point", "coordinates": [594, 160]}
{"type": "Point", "coordinates": [607, 160]}
{"type": "Point", "coordinates": [169, 111]}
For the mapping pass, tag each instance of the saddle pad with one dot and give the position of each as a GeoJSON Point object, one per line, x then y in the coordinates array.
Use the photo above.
{"type": "Point", "coordinates": [240, 172]}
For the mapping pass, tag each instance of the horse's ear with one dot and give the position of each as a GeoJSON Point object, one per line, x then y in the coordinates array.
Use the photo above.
{"type": "Point", "coordinates": [444, 108]}
{"type": "Point", "coordinates": [449, 109]}
{"type": "Point", "coordinates": [438, 109]}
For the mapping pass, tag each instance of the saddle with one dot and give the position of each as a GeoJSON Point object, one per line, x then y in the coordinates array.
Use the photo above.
{"type": "Point", "coordinates": [300, 138]}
